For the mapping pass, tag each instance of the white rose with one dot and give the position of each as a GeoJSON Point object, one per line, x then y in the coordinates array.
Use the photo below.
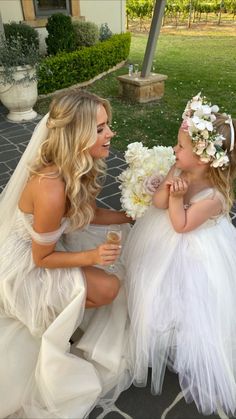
{"type": "Point", "coordinates": [219, 139]}
{"type": "Point", "coordinates": [199, 147]}
{"type": "Point", "coordinates": [211, 149]}
{"type": "Point", "coordinates": [205, 159]}
{"type": "Point", "coordinates": [221, 161]}
{"type": "Point", "coordinates": [206, 109]}
{"type": "Point", "coordinates": [209, 125]}
{"type": "Point", "coordinates": [215, 109]}
{"type": "Point", "coordinates": [201, 124]}
{"type": "Point", "coordinates": [135, 153]}
{"type": "Point", "coordinates": [196, 103]}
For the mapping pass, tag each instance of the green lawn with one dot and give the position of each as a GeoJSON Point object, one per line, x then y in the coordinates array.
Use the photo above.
{"type": "Point", "coordinates": [193, 61]}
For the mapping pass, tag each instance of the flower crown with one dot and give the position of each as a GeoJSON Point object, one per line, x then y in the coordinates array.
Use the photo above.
{"type": "Point", "coordinates": [198, 119]}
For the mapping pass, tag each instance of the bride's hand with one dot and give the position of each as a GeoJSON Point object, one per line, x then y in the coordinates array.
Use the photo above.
{"type": "Point", "coordinates": [106, 254]}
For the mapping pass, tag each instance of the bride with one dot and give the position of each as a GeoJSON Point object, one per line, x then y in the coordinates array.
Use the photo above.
{"type": "Point", "coordinates": [54, 271]}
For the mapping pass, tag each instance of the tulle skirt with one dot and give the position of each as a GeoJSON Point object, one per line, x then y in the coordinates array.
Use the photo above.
{"type": "Point", "coordinates": [41, 374]}
{"type": "Point", "coordinates": [182, 304]}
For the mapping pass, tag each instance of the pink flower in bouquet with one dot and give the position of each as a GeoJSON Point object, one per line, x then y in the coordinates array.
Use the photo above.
{"type": "Point", "coordinates": [151, 183]}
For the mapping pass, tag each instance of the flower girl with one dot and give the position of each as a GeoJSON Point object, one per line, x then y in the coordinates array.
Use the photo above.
{"type": "Point", "coordinates": [181, 268]}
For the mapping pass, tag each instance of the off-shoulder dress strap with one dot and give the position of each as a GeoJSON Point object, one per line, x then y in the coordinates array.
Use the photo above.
{"type": "Point", "coordinates": [44, 238]}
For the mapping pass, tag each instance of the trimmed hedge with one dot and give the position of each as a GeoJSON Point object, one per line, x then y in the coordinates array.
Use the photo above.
{"type": "Point", "coordinates": [67, 69]}
{"type": "Point", "coordinates": [86, 33]}
{"type": "Point", "coordinates": [61, 34]}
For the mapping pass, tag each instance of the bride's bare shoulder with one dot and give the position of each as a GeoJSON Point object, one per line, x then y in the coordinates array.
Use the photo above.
{"type": "Point", "coordinates": [46, 189]}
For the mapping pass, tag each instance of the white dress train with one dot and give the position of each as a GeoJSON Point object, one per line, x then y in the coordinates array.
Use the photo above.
{"type": "Point", "coordinates": [182, 306]}
{"type": "Point", "coordinates": [41, 375]}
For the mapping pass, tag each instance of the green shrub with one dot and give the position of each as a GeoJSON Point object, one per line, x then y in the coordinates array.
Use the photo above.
{"type": "Point", "coordinates": [87, 33]}
{"type": "Point", "coordinates": [65, 70]}
{"type": "Point", "coordinates": [61, 34]}
{"type": "Point", "coordinates": [104, 32]}
{"type": "Point", "coordinates": [28, 35]}
{"type": "Point", "coordinates": [19, 48]}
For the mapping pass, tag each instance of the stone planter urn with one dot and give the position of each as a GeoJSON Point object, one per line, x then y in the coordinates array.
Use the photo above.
{"type": "Point", "coordinates": [19, 96]}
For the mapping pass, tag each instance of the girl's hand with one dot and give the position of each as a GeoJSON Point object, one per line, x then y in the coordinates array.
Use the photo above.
{"type": "Point", "coordinates": [168, 185]}
{"type": "Point", "coordinates": [106, 254]}
{"type": "Point", "coordinates": [178, 187]}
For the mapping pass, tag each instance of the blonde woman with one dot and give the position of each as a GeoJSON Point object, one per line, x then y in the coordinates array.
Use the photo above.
{"type": "Point", "coordinates": [44, 288]}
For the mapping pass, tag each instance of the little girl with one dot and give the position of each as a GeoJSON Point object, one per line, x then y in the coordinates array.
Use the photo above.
{"type": "Point", "coordinates": [181, 268]}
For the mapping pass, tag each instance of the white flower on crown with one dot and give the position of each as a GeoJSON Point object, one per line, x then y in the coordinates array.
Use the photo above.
{"type": "Point", "coordinates": [199, 116]}
{"type": "Point", "coordinates": [146, 170]}
{"type": "Point", "coordinates": [211, 150]}
{"type": "Point", "coordinates": [221, 160]}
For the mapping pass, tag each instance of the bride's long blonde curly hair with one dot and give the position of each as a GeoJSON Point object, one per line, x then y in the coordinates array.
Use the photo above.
{"type": "Point", "coordinates": [72, 127]}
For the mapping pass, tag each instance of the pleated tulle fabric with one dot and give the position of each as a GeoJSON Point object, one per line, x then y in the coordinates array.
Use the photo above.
{"type": "Point", "coordinates": [41, 374]}
{"type": "Point", "coordinates": [181, 299]}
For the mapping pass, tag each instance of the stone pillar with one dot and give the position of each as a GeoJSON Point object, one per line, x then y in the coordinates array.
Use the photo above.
{"type": "Point", "coordinates": [142, 90]}
{"type": "Point", "coordinates": [75, 7]}
{"type": "Point", "coordinates": [28, 9]}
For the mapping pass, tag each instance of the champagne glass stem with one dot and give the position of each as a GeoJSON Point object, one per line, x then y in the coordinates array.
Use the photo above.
{"type": "Point", "coordinates": [113, 237]}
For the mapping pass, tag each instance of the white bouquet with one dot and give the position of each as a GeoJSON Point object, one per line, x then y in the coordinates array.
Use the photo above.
{"type": "Point", "coordinates": [146, 170]}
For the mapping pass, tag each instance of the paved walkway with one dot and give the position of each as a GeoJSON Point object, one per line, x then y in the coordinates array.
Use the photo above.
{"type": "Point", "coordinates": [14, 139]}
{"type": "Point", "coordinates": [137, 402]}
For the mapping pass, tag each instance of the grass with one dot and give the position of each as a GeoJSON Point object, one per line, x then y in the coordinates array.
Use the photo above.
{"type": "Point", "coordinates": [195, 60]}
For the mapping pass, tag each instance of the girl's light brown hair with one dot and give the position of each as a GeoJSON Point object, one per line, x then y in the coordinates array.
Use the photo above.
{"type": "Point", "coordinates": [223, 178]}
{"type": "Point", "coordinates": [72, 127]}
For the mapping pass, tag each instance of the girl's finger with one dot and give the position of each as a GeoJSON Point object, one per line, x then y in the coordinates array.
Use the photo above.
{"type": "Point", "coordinates": [176, 186]}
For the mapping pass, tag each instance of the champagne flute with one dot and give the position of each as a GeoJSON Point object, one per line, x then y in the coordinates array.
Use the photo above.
{"type": "Point", "coordinates": [154, 67]}
{"type": "Point", "coordinates": [136, 68]}
{"type": "Point", "coordinates": [131, 68]}
{"type": "Point", "coordinates": [113, 236]}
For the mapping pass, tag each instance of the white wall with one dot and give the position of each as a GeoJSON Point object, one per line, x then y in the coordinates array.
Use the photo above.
{"type": "Point", "coordinates": [111, 12]}
{"type": "Point", "coordinates": [11, 11]}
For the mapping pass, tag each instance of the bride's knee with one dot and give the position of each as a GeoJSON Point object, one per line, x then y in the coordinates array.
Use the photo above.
{"type": "Point", "coordinates": [110, 289]}
{"type": "Point", "coordinates": [102, 288]}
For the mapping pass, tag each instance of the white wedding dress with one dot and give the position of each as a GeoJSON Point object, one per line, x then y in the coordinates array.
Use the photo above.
{"type": "Point", "coordinates": [182, 305]}
{"type": "Point", "coordinates": [41, 374]}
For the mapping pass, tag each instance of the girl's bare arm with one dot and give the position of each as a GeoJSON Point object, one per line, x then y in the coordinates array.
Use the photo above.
{"type": "Point", "coordinates": [108, 216]}
{"type": "Point", "coordinates": [161, 196]}
{"type": "Point", "coordinates": [184, 220]}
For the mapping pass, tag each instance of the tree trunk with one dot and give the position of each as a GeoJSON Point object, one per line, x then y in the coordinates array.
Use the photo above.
{"type": "Point", "coordinates": [190, 14]}
{"type": "Point", "coordinates": [221, 6]}
{"type": "Point", "coordinates": [2, 33]}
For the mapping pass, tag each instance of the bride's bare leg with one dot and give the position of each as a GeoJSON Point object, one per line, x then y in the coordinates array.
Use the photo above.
{"type": "Point", "coordinates": [102, 288]}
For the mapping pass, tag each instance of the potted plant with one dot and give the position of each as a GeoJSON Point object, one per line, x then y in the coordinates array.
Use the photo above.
{"type": "Point", "coordinates": [18, 72]}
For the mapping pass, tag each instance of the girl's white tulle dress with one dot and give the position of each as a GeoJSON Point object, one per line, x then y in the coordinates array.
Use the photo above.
{"type": "Point", "coordinates": [41, 374]}
{"type": "Point", "coordinates": [182, 305]}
